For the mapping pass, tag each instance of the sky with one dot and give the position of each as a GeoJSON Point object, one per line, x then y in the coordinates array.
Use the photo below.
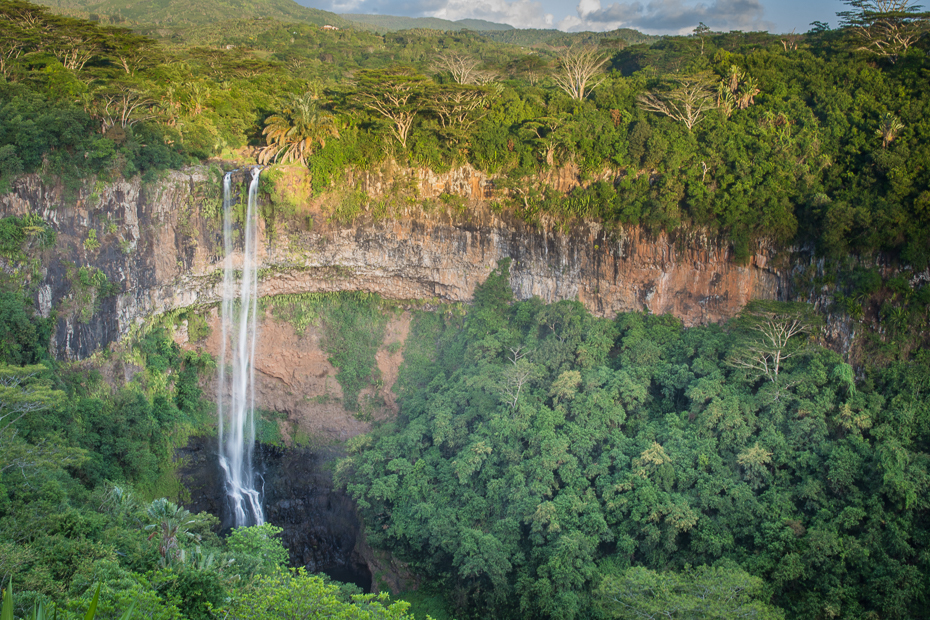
{"type": "Point", "coordinates": [649, 16]}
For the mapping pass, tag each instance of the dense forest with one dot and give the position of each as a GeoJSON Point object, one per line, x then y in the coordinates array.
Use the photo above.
{"type": "Point", "coordinates": [746, 133]}
{"type": "Point", "coordinates": [545, 463]}
{"type": "Point", "coordinates": [549, 464]}
{"type": "Point", "coordinates": [85, 529]}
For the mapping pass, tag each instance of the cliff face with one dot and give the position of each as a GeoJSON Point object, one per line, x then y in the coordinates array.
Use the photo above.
{"type": "Point", "coordinates": [161, 243]}
{"type": "Point", "coordinates": [295, 378]}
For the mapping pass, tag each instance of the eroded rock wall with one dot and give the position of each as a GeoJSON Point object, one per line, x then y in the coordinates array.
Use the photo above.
{"type": "Point", "coordinates": [321, 529]}
{"type": "Point", "coordinates": [295, 378]}
{"type": "Point", "coordinates": [161, 243]}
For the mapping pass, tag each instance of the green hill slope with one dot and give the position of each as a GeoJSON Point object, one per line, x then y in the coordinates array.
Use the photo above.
{"type": "Point", "coordinates": [391, 23]}
{"type": "Point", "coordinates": [168, 13]}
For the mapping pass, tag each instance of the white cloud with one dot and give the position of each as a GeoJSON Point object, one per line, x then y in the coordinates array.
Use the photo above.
{"type": "Point", "coordinates": [652, 16]}
{"type": "Point", "coordinates": [519, 13]}
{"type": "Point", "coordinates": [668, 16]}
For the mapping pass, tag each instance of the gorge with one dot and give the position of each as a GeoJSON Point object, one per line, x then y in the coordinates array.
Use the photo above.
{"type": "Point", "coordinates": [174, 252]}
{"type": "Point", "coordinates": [292, 311]}
{"type": "Point", "coordinates": [166, 254]}
{"type": "Point", "coordinates": [176, 263]}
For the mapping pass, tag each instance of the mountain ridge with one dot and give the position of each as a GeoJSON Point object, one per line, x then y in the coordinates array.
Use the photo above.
{"type": "Point", "coordinates": [181, 12]}
{"type": "Point", "coordinates": [390, 23]}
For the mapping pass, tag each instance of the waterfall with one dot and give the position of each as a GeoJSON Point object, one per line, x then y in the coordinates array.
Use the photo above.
{"type": "Point", "coordinates": [236, 393]}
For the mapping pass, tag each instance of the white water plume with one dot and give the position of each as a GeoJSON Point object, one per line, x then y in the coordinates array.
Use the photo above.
{"type": "Point", "coordinates": [236, 393]}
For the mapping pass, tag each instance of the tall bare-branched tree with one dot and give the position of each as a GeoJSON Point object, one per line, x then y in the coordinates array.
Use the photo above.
{"type": "Point", "coordinates": [887, 28]}
{"type": "Point", "coordinates": [580, 71]}
{"type": "Point", "coordinates": [774, 337]}
{"type": "Point", "coordinates": [398, 94]}
{"type": "Point", "coordinates": [464, 69]}
{"type": "Point", "coordinates": [459, 108]}
{"type": "Point", "coordinates": [121, 107]}
{"type": "Point", "coordinates": [686, 102]}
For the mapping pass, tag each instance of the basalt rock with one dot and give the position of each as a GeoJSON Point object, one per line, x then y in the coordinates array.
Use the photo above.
{"type": "Point", "coordinates": [322, 531]}
{"type": "Point", "coordinates": [160, 243]}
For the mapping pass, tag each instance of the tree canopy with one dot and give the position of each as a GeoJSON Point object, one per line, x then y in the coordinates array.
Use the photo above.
{"type": "Point", "coordinates": [547, 463]}
{"type": "Point", "coordinates": [821, 141]}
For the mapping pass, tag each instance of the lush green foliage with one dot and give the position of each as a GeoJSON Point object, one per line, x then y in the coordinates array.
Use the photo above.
{"type": "Point", "coordinates": [80, 459]}
{"type": "Point", "coordinates": [260, 547]}
{"type": "Point", "coordinates": [710, 593]}
{"type": "Point", "coordinates": [816, 132]}
{"type": "Point", "coordinates": [542, 453]}
{"type": "Point", "coordinates": [299, 595]}
{"type": "Point", "coordinates": [23, 336]}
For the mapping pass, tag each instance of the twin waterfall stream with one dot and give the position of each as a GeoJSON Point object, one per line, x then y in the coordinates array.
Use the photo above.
{"type": "Point", "coordinates": [236, 390]}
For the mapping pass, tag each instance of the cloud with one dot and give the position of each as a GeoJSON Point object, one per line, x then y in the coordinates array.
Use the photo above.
{"type": "Point", "coordinates": [668, 16]}
{"type": "Point", "coordinates": [518, 13]}
{"type": "Point", "coordinates": [651, 16]}
{"type": "Point", "coordinates": [411, 8]}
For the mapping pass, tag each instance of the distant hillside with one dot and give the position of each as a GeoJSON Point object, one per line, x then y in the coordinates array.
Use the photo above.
{"type": "Point", "coordinates": [530, 37]}
{"type": "Point", "coordinates": [392, 23]}
{"type": "Point", "coordinates": [168, 13]}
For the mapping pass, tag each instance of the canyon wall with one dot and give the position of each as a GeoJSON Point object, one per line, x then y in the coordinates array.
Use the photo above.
{"type": "Point", "coordinates": [161, 243]}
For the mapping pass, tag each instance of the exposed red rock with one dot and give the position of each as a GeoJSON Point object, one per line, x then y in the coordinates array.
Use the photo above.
{"type": "Point", "coordinates": [165, 254]}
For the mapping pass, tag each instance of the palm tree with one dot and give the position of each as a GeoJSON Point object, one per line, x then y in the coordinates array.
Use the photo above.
{"type": "Point", "coordinates": [293, 133]}
{"type": "Point", "coordinates": [171, 522]}
{"type": "Point", "coordinates": [888, 129]}
{"type": "Point", "coordinates": [748, 92]}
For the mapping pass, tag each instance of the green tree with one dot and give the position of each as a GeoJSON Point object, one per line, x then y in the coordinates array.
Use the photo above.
{"type": "Point", "coordinates": [458, 108]}
{"type": "Point", "coordinates": [398, 94]}
{"type": "Point", "coordinates": [705, 592]}
{"type": "Point", "coordinates": [299, 596]}
{"type": "Point", "coordinates": [27, 391]}
{"type": "Point", "coordinates": [294, 133]}
{"type": "Point", "coordinates": [21, 333]}
{"type": "Point", "coordinates": [258, 548]}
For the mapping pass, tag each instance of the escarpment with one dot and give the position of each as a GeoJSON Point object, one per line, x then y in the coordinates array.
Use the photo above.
{"type": "Point", "coordinates": [160, 243]}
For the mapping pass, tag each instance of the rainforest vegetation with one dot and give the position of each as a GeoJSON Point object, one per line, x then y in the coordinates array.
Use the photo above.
{"type": "Point", "coordinates": [545, 463]}
{"type": "Point", "coordinates": [84, 471]}
{"type": "Point", "coordinates": [550, 464]}
{"type": "Point", "coordinates": [819, 138]}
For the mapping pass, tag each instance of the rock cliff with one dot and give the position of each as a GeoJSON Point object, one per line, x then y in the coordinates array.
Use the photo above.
{"type": "Point", "coordinates": [160, 242]}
